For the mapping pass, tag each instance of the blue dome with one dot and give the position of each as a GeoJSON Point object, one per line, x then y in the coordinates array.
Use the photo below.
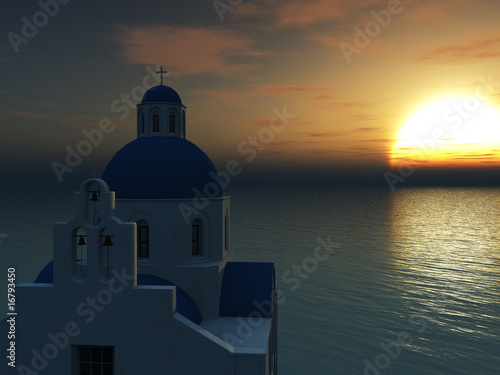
{"type": "Point", "coordinates": [161, 94]}
{"type": "Point", "coordinates": [161, 168]}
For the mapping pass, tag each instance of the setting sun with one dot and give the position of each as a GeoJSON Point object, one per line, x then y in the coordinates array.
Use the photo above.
{"type": "Point", "coordinates": [452, 132]}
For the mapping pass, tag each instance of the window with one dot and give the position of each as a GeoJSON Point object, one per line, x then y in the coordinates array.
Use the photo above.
{"type": "Point", "coordinates": [95, 360]}
{"type": "Point", "coordinates": [80, 254]}
{"type": "Point", "coordinates": [226, 233]}
{"type": "Point", "coordinates": [156, 122]}
{"type": "Point", "coordinates": [142, 122]}
{"type": "Point", "coordinates": [106, 253]}
{"type": "Point", "coordinates": [142, 239]}
{"type": "Point", "coordinates": [171, 123]}
{"type": "Point", "coordinates": [184, 123]}
{"type": "Point", "coordinates": [196, 233]}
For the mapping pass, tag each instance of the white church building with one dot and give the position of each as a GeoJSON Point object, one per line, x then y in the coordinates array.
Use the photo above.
{"type": "Point", "coordinates": [143, 279]}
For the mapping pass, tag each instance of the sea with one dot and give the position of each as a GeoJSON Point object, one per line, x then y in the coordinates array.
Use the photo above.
{"type": "Point", "coordinates": [371, 281]}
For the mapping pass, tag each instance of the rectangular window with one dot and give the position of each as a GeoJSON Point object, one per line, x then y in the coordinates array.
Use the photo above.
{"type": "Point", "coordinates": [171, 122]}
{"type": "Point", "coordinates": [95, 360]}
{"type": "Point", "coordinates": [156, 122]}
{"type": "Point", "coordinates": [195, 250]}
{"type": "Point", "coordinates": [143, 242]}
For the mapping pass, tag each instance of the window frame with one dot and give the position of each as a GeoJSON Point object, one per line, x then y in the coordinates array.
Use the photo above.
{"type": "Point", "coordinates": [156, 122]}
{"type": "Point", "coordinates": [171, 123]}
{"type": "Point", "coordinates": [197, 241]}
{"type": "Point", "coordinates": [141, 224]}
{"type": "Point", "coordinates": [101, 363]}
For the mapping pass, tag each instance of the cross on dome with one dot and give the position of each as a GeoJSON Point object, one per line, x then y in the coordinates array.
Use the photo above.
{"type": "Point", "coordinates": [161, 72]}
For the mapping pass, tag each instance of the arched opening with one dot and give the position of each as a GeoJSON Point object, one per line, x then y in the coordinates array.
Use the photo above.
{"type": "Point", "coordinates": [226, 231]}
{"type": "Point", "coordinates": [80, 254]}
{"type": "Point", "coordinates": [142, 239]}
{"type": "Point", "coordinates": [106, 253]}
{"type": "Point", "coordinates": [156, 122]}
{"type": "Point", "coordinates": [171, 123]}
{"type": "Point", "coordinates": [184, 124]}
{"type": "Point", "coordinates": [142, 120]}
{"type": "Point", "coordinates": [92, 212]}
{"type": "Point", "coordinates": [197, 238]}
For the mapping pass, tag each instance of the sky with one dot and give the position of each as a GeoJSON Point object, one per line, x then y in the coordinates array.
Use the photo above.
{"type": "Point", "coordinates": [302, 92]}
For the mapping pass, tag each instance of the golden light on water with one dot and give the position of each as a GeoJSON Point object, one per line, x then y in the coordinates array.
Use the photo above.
{"type": "Point", "coordinates": [448, 239]}
{"type": "Point", "coordinates": [453, 132]}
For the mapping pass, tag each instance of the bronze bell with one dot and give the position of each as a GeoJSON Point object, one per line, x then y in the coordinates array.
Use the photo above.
{"type": "Point", "coordinates": [81, 241]}
{"type": "Point", "coordinates": [107, 241]}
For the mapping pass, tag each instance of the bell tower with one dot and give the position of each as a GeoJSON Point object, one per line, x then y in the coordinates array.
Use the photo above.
{"type": "Point", "coordinates": [94, 245]}
{"type": "Point", "coordinates": [161, 112]}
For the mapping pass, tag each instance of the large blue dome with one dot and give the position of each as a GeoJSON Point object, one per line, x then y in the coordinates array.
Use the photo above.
{"type": "Point", "coordinates": [161, 94]}
{"type": "Point", "coordinates": [161, 168]}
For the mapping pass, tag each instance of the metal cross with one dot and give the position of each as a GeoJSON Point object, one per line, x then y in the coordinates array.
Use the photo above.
{"type": "Point", "coordinates": [94, 167]}
{"type": "Point", "coordinates": [161, 72]}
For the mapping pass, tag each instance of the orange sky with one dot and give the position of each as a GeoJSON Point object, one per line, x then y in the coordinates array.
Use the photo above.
{"type": "Point", "coordinates": [233, 75]}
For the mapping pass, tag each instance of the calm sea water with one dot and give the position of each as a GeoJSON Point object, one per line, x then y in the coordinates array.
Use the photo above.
{"type": "Point", "coordinates": [421, 265]}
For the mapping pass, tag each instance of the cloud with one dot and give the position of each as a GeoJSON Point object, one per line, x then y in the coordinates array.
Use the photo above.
{"type": "Point", "coordinates": [294, 89]}
{"type": "Point", "coordinates": [229, 97]}
{"type": "Point", "coordinates": [355, 105]}
{"type": "Point", "coordinates": [438, 12]}
{"type": "Point", "coordinates": [300, 13]}
{"type": "Point", "coordinates": [339, 133]}
{"type": "Point", "coordinates": [376, 140]}
{"type": "Point", "coordinates": [486, 47]}
{"type": "Point", "coordinates": [187, 50]}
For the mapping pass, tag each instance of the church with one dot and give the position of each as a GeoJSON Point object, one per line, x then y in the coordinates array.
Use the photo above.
{"type": "Point", "coordinates": [143, 279]}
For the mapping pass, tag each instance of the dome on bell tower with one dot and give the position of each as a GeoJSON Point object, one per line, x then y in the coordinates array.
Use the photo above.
{"type": "Point", "coordinates": [161, 94]}
{"type": "Point", "coordinates": [161, 113]}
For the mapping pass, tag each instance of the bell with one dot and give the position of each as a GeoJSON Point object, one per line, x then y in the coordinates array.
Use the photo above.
{"type": "Point", "coordinates": [81, 241]}
{"type": "Point", "coordinates": [94, 196]}
{"type": "Point", "coordinates": [107, 241]}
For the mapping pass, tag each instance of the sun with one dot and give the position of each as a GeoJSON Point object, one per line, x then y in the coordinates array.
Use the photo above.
{"type": "Point", "coordinates": [454, 132]}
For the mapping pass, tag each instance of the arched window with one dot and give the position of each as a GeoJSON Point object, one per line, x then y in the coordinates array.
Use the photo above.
{"type": "Point", "coordinates": [196, 238]}
{"type": "Point", "coordinates": [142, 239]}
{"type": "Point", "coordinates": [92, 212]}
{"type": "Point", "coordinates": [226, 232]}
{"type": "Point", "coordinates": [106, 253]}
{"type": "Point", "coordinates": [171, 123]}
{"type": "Point", "coordinates": [142, 122]}
{"type": "Point", "coordinates": [80, 254]}
{"type": "Point", "coordinates": [156, 122]}
{"type": "Point", "coordinates": [184, 123]}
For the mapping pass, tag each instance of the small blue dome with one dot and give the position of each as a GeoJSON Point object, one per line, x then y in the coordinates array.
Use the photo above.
{"type": "Point", "coordinates": [161, 94]}
{"type": "Point", "coordinates": [185, 304]}
{"type": "Point", "coordinates": [161, 168]}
